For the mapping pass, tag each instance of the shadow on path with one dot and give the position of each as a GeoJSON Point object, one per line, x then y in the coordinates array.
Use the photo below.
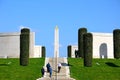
{"type": "Point", "coordinates": [55, 71]}
{"type": "Point", "coordinates": [64, 64]}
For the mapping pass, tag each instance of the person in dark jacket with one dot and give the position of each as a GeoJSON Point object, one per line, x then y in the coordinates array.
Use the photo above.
{"type": "Point", "coordinates": [43, 71]}
{"type": "Point", "coordinates": [48, 66]}
{"type": "Point", "coordinates": [50, 69]}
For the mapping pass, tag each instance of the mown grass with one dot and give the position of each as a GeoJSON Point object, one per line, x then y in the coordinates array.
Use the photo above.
{"type": "Point", "coordinates": [102, 69]}
{"type": "Point", "coordinates": [11, 70]}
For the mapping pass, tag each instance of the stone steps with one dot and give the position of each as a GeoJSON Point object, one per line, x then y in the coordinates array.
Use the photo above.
{"type": "Point", "coordinates": [54, 78]}
{"type": "Point", "coordinates": [64, 73]}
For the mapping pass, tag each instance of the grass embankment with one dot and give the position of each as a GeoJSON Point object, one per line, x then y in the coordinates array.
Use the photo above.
{"type": "Point", "coordinates": [11, 70]}
{"type": "Point", "coordinates": [102, 69]}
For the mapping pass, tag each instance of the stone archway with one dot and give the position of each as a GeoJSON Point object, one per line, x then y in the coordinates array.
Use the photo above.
{"type": "Point", "coordinates": [103, 50]}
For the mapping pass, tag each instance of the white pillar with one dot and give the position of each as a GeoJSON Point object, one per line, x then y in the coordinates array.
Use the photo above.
{"type": "Point", "coordinates": [56, 42]}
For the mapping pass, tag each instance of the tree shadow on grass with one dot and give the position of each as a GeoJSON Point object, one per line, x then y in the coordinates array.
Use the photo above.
{"type": "Point", "coordinates": [111, 64]}
{"type": "Point", "coordinates": [4, 65]}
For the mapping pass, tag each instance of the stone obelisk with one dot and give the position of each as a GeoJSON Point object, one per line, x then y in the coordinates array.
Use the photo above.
{"type": "Point", "coordinates": [56, 42]}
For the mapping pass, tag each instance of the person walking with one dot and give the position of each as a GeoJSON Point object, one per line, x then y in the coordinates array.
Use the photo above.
{"type": "Point", "coordinates": [48, 66]}
{"type": "Point", "coordinates": [50, 70]}
{"type": "Point", "coordinates": [59, 67]}
{"type": "Point", "coordinates": [42, 71]}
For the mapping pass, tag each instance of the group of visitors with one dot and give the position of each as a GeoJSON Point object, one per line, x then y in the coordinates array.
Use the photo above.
{"type": "Point", "coordinates": [49, 69]}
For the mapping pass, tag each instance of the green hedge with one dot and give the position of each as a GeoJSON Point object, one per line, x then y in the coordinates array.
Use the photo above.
{"type": "Point", "coordinates": [116, 41]}
{"type": "Point", "coordinates": [88, 47]}
{"type": "Point", "coordinates": [69, 51]}
{"type": "Point", "coordinates": [81, 32]}
{"type": "Point", "coordinates": [24, 46]}
{"type": "Point", "coordinates": [43, 51]}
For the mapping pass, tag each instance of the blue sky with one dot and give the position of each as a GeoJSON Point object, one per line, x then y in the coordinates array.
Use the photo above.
{"type": "Point", "coordinates": [41, 16]}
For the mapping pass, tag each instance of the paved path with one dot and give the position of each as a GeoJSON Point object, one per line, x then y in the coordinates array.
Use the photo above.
{"type": "Point", "coordinates": [64, 73]}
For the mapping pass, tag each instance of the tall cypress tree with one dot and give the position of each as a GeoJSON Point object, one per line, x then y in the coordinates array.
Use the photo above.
{"type": "Point", "coordinates": [81, 32]}
{"type": "Point", "coordinates": [116, 42]}
{"type": "Point", "coordinates": [88, 49]}
{"type": "Point", "coordinates": [43, 51]}
{"type": "Point", "coordinates": [69, 51]}
{"type": "Point", "coordinates": [24, 46]}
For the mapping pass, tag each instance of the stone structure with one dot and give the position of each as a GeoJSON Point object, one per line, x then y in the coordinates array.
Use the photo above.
{"type": "Point", "coordinates": [10, 45]}
{"type": "Point", "coordinates": [56, 42]}
{"type": "Point", "coordinates": [102, 46]}
{"type": "Point", "coordinates": [37, 51]}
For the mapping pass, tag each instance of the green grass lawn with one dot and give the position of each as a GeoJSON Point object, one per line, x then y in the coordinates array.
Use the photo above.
{"type": "Point", "coordinates": [11, 70]}
{"type": "Point", "coordinates": [102, 69]}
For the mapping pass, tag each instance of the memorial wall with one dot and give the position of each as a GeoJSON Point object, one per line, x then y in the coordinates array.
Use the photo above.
{"type": "Point", "coordinates": [10, 45]}
{"type": "Point", "coordinates": [102, 46]}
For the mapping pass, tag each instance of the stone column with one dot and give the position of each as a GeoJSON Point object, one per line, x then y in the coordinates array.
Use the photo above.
{"type": "Point", "coordinates": [56, 42]}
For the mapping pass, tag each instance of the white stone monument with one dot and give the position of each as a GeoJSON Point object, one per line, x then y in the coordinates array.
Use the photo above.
{"type": "Point", "coordinates": [56, 42]}
{"type": "Point", "coordinates": [10, 45]}
{"type": "Point", "coordinates": [102, 46]}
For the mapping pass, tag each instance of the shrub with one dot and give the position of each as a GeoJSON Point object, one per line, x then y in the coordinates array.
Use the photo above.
{"type": "Point", "coordinates": [116, 42]}
{"type": "Point", "coordinates": [69, 51]}
{"type": "Point", "coordinates": [24, 46]}
{"type": "Point", "coordinates": [88, 41]}
{"type": "Point", "coordinates": [81, 32]}
{"type": "Point", "coordinates": [43, 51]}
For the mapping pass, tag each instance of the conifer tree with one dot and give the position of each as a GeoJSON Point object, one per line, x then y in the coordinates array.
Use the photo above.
{"type": "Point", "coordinates": [81, 32]}
{"type": "Point", "coordinates": [24, 46]}
{"type": "Point", "coordinates": [116, 42]}
{"type": "Point", "coordinates": [88, 47]}
{"type": "Point", "coordinates": [43, 52]}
